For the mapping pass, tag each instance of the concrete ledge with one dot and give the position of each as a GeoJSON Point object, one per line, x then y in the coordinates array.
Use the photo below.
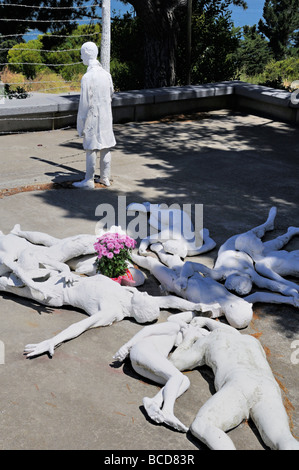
{"type": "Point", "coordinates": [46, 111]}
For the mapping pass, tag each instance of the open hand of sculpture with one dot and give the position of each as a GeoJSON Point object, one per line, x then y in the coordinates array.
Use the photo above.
{"type": "Point", "coordinates": [46, 346]}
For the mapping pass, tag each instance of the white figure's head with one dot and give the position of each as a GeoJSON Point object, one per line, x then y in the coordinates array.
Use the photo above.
{"type": "Point", "coordinates": [144, 307]}
{"type": "Point", "coordinates": [89, 51]}
{"type": "Point", "coordinates": [238, 313]}
{"type": "Point", "coordinates": [240, 283]}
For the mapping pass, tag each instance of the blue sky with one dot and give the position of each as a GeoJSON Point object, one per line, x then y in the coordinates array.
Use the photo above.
{"type": "Point", "coordinates": [240, 17]}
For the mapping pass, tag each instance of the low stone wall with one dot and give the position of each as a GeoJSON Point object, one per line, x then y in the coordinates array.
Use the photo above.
{"type": "Point", "coordinates": [47, 112]}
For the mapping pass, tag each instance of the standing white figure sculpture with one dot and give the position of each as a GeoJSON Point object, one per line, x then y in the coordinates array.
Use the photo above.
{"type": "Point", "coordinates": [148, 351]}
{"type": "Point", "coordinates": [94, 119]}
{"type": "Point", "coordinates": [245, 386]}
{"type": "Point", "coordinates": [196, 288]}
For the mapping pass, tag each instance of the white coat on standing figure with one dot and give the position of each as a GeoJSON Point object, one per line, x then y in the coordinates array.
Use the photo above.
{"type": "Point", "coordinates": [94, 119]}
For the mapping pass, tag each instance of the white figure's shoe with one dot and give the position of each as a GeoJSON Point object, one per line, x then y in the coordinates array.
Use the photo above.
{"type": "Point", "coordinates": [105, 181]}
{"type": "Point", "coordinates": [85, 184]}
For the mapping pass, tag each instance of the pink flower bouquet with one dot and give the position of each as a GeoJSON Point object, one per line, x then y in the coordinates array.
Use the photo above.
{"type": "Point", "coordinates": [113, 251]}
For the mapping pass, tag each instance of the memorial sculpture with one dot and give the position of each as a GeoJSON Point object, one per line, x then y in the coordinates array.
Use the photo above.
{"type": "Point", "coordinates": [245, 386]}
{"type": "Point", "coordinates": [54, 285]}
{"type": "Point", "coordinates": [148, 351]}
{"type": "Point", "coordinates": [105, 301]}
{"type": "Point", "coordinates": [77, 252]}
{"type": "Point", "coordinates": [94, 119]}
{"type": "Point", "coordinates": [167, 270]}
{"type": "Point", "coordinates": [38, 266]}
{"type": "Point", "coordinates": [244, 260]}
{"type": "Point", "coordinates": [174, 229]}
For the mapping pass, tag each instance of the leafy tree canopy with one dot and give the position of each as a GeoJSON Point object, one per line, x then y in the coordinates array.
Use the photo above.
{"type": "Point", "coordinates": [280, 22]}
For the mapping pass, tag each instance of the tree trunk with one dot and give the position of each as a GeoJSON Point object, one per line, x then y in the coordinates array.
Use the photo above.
{"type": "Point", "coordinates": [159, 55]}
{"type": "Point", "coordinates": [160, 30]}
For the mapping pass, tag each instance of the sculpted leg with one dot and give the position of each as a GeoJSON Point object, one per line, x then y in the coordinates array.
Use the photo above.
{"type": "Point", "coordinates": [151, 364]}
{"type": "Point", "coordinates": [88, 182]}
{"type": "Point", "coordinates": [260, 230]}
{"type": "Point", "coordinates": [270, 417]}
{"type": "Point", "coordinates": [281, 241]}
{"type": "Point", "coordinates": [105, 166]}
{"type": "Point", "coordinates": [272, 298]}
{"type": "Point", "coordinates": [222, 412]}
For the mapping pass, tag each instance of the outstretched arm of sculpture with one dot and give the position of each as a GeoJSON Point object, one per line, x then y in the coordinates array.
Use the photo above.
{"type": "Point", "coordinates": [102, 318]}
{"type": "Point", "coordinates": [37, 238]}
{"type": "Point", "coordinates": [178, 303]}
{"type": "Point", "coordinates": [272, 298]}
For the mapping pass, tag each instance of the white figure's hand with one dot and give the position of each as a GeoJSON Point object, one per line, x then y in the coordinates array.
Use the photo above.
{"type": "Point", "coordinates": [40, 348]}
{"type": "Point", "coordinates": [121, 353]}
{"type": "Point", "coordinates": [70, 278]}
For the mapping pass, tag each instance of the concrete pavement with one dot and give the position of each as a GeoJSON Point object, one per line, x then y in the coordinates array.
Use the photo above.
{"type": "Point", "coordinates": [237, 166]}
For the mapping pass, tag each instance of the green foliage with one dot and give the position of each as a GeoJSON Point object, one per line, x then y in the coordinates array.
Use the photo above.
{"type": "Point", "coordinates": [25, 58]}
{"type": "Point", "coordinates": [279, 23]}
{"type": "Point", "coordinates": [71, 47]}
{"type": "Point", "coordinates": [214, 44]}
{"type": "Point", "coordinates": [114, 251]}
{"type": "Point", "coordinates": [283, 71]}
{"type": "Point", "coordinates": [18, 92]}
{"type": "Point", "coordinates": [254, 52]}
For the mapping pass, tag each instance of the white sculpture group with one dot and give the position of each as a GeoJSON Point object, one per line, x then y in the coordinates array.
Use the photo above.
{"type": "Point", "coordinates": [38, 266]}
{"type": "Point", "coordinates": [58, 272]}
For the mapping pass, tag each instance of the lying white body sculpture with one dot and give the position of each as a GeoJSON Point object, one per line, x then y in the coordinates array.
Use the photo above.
{"type": "Point", "coordinates": [174, 229]}
{"type": "Point", "coordinates": [196, 288]}
{"type": "Point", "coordinates": [104, 300]}
{"type": "Point", "coordinates": [245, 386]}
{"type": "Point", "coordinates": [17, 256]}
{"type": "Point", "coordinates": [148, 351]}
{"type": "Point", "coordinates": [241, 256]}
{"type": "Point", "coordinates": [94, 119]}
{"type": "Point", "coordinates": [77, 252]}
